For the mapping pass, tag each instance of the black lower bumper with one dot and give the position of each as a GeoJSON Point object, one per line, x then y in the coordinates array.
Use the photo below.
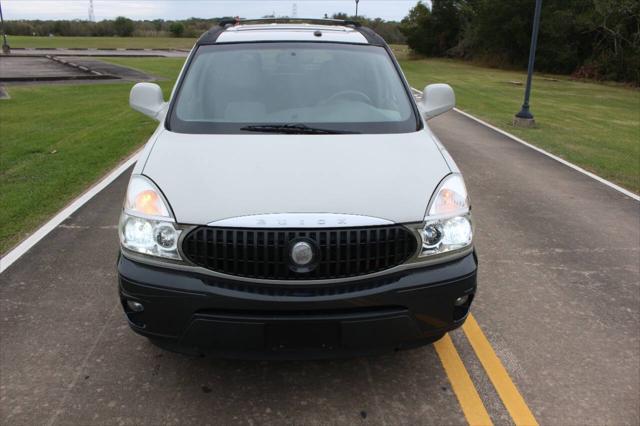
{"type": "Point", "coordinates": [234, 318]}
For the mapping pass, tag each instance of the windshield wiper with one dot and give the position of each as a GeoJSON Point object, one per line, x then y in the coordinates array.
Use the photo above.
{"type": "Point", "coordinates": [292, 129]}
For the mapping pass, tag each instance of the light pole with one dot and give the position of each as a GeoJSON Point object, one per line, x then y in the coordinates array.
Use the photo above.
{"type": "Point", "coordinates": [524, 118]}
{"type": "Point", "coordinates": [5, 46]}
{"type": "Point", "coordinates": [357, 1]}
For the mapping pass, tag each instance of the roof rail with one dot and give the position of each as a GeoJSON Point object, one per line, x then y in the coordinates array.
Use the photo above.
{"type": "Point", "coordinates": [211, 36]}
{"type": "Point", "coordinates": [235, 21]}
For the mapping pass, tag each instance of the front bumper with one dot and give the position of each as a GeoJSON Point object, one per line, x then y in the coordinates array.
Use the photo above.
{"type": "Point", "coordinates": [233, 318]}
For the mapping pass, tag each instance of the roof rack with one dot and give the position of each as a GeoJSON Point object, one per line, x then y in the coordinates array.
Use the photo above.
{"type": "Point", "coordinates": [211, 36]}
{"type": "Point", "coordinates": [224, 22]}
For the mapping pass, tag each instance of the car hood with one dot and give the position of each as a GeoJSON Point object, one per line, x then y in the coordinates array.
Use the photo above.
{"type": "Point", "coordinates": [208, 178]}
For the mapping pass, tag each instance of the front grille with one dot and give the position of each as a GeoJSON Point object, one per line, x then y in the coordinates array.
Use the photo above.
{"type": "Point", "coordinates": [264, 253]}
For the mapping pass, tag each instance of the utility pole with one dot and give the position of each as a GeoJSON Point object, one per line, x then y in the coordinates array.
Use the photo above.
{"type": "Point", "coordinates": [357, 1]}
{"type": "Point", "coordinates": [524, 118]}
{"type": "Point", "coordinates": [5, 46]}
{"type": "Point", "coordinates": [92, 16]}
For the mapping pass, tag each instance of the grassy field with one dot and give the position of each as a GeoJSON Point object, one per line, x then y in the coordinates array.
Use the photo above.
{"type": "Point", "coordinates": [76, 133]}
{"type": "Point", "coordinates": [596, 126]}
{"type": "Point", "coordinates": [73, 135]}
{"type": "Point", "coordinates": [103, 42]}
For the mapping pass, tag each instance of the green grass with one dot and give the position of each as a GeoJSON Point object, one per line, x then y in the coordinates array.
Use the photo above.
{"type": "Point", "coordinates": [58, 139]}
{"type": "Point", "coordinates": [596, 126]}
{"type": "Point", "coordinates": [102, 42]}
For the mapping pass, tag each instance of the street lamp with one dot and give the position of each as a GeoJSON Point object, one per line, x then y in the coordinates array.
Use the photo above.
{"type": "Point", "coordinates": [5, 46]}
{"type": "Point", "coordinates": [524, 118]}
{"type": "Point", "coordinates": [357, 1]}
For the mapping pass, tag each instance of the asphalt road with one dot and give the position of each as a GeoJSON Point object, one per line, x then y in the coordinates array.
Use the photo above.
{"type": "Point", "coordinates": [559, 302]}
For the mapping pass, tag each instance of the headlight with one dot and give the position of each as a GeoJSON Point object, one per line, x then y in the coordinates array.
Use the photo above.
{"type": "Point", "coordinates": [448, 225]}
{"type": "Point", "coordinates": [146, 224]}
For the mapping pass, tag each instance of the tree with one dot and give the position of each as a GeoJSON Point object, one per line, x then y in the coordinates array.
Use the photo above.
{"type": "Point", "coordinates": [415, 28]}
{"type": "Point", "coordinates": [446, 25]}
{"type": "Point", "coordinates": [123, 27]}
{"type": "Point", "coordinates": [434, 31]}
{"type": "Point", "coordinates": [616, 28]}
{"type": "Point", "coordinates": [176, 29]}
{"type": "Point", "coordinates": [388, 30]}
{"type": "Point", "coordinates": [500, 31]}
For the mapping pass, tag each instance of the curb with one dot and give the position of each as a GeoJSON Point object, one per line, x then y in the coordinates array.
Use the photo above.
{"type": "Point", "coordinates": [96, 75]}
{"type": "Point", "coordinates": [80, 67]}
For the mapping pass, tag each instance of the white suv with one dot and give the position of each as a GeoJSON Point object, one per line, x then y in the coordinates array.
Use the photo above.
{"type": "Point", "coordinates": [293, 202]}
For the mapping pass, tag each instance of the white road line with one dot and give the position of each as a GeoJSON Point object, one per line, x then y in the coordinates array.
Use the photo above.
{"type": "Point", "coordinates": [34, 238]}
{"type": "Point", "coordinates": [543, 152]}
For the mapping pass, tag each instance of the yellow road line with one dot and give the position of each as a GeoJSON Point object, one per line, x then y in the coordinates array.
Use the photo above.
{"type": "Point", "coordinates": [472, 406]}
{"type": "Point", "coordinates": [511, 397]}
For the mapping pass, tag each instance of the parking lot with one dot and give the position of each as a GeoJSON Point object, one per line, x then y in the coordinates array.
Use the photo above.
{"type": "Point", "coordinates": [56, 65]}
{"type": "Point", "coordinates": [557, 340]}
{"type": "Point", "coordinates": [36, 68]}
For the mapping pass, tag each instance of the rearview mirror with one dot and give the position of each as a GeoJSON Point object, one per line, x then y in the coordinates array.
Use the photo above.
{"type": "Point", "coordinates": [437, 99]}
{"type": "Point", "coordinates": [147, 98]}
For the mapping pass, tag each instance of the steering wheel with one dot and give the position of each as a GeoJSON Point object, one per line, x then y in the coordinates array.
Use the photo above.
{"type": "Point", "coordinates": [348, 94]}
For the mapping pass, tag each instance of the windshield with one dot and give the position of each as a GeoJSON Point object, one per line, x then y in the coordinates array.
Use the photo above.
{"type": "Point", "coordinates": [322, 87]}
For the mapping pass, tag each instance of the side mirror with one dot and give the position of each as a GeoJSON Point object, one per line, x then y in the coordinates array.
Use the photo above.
{"type": "Point", "coordinates": [147, 98]}
{"type": "Point", "coordinates": [437, 99]}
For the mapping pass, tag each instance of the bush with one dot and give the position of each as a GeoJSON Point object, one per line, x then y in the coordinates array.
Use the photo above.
{"type": "Point", "coordinates": [123, 27]}
{"type": "Point", "coordinates": [176, 29]}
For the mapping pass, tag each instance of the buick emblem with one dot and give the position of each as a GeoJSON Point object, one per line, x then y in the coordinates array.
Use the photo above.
{"type": "Point", "coordinates": [302, 253]}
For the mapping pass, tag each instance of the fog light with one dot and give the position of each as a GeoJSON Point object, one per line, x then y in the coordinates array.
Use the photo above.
{"type": "Point", "coordinates": [135, 306]}
{"type": "Point", "coordinates": [461, 300]}
{"type": "Point", "coordinates": [457, 231]}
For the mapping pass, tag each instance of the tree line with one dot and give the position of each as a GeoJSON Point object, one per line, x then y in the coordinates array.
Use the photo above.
{"type": "Point", "coordinates": [193, 27]}
{"type": "Point", "coordinates": [597, 39]}
{"type": "Point", "coordinates": [121, 27]}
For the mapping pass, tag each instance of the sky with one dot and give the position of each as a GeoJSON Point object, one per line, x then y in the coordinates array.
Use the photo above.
{"type": "Point", "coordinates": [180, 9]}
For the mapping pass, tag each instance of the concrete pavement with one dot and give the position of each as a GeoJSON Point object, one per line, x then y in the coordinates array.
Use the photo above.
{"type": "Point", "coordinates": [559, 301]}
{"type": "Point", "coordinates": [20, 67]}
{"type": "Point", "coordinates": [28, 69]}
